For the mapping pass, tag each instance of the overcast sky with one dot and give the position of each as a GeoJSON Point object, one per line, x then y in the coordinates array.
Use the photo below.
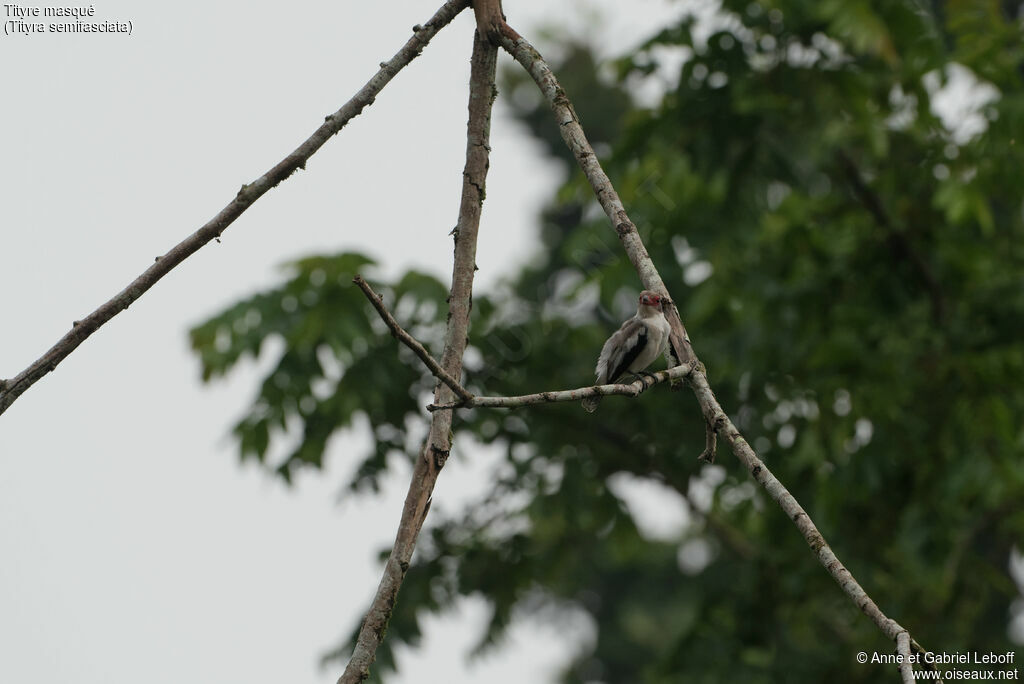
{"type": "Point", "coordinates": [133, 546]}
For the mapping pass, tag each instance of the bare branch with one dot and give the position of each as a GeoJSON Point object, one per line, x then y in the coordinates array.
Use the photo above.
{"type": "Point", "coordinates": [906, 668]}
{"type": "Point", "coordinates": [11, 389]}
{"type": "Point", "coordinates": [633, 389]}
{"type": "Point", "coordinates": [574, 137]}
{"type": "Point", "coordinates": [710, 444]}
{"type": "Point", "coordinates": [468, 400]}
{"type": "Point", "coordinates": [715, 416]}
{"type": "Point", "coordinates": [489, 19]}
{"type": "Point", "coordinates": [437, 445]}
{"type": "Point", "coordinates": [410, 341]}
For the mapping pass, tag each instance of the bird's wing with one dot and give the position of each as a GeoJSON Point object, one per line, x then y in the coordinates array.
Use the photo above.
{"type": "Point", "coordinates": [624, 346]}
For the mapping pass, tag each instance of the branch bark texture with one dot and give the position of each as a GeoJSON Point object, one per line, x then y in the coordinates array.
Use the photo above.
{"type": "Point", "coordinates": [467, 400]}
{"type": "Point", "coordinates": [489, 19]}
{"type": "Point", "coordinates": [906, 668]}
{"type": "Point", "coordinates": [11, 389]}
{"type": "Point", "coordinates": [576, 140]}
{"type": "Point", "coordinates": [437, 446]}
{"type": "Point", "coordinates": [633, 389]}
{"type": "Point", "coordinates": [408, 340]}
{"type": "Point", "coordinates": [574, 137]}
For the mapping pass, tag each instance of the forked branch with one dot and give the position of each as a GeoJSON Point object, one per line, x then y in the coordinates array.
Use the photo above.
{"type": "Point", "coordinates": [468, 400]}
{"type": "Point", "coordinates": [437, 445]}
{"type": "Point", "coordinates": [633, 389]}
{"type": "Point", "coordinates": [408, 340]}
{"type": "Point", "coordinates": [13, 388]}
{"type": "Point", "coordinates": [574, 137]}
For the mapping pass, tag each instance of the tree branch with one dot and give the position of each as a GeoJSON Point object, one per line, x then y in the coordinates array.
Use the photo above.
{"type": "Point", "coordinates": [713, 413]}
{"type": "Point", "coordinates": [905, 667]}
{"type": "Point", "coordinates": [468, 400]}
{"type": "Point", "coordinates": [576, 140]}
{"type": "Point", "coordinates": [710, 444]}
{"type": "Point", "coordinates": [489, 19]}
{"type": "Point", "coordinates": [437, 445]}
{"type": "Point", "coordinates": [410, 341]}
{"type": "Point", "coordinates": [633, 389]}
{"type": "Point", "coordinates": [11, 389]}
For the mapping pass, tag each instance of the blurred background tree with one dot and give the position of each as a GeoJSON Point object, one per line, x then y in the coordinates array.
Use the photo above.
{"type": "Point", "coordinates": [832, 193]}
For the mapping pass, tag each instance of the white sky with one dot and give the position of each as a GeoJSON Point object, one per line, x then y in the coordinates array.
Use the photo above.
{"type": "Point", "coordinates": [132, 544]}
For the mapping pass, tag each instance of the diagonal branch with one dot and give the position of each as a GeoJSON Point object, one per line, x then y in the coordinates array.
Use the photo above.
{"type": "Point", "coordinates": [437, 445]}
{"type": "Point", "coordinates": [633, 389]}
{"type": "Point", "coordinates": [715, 416]}
{"type": "Point", "coordinates": [410, 341]}
{"type": "Point", "coordinates": [11, 389]}
{"type": "Point", "coordinates": [576, 140]}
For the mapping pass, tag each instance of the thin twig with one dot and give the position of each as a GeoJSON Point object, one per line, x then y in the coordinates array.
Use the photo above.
{"type": "Point", "coordinates": [410, 341]}
{"type": "Point", "coordinates": [576, 140]}
{"type": "Point", "coordinates": [248, 194]}
{"type": "Point", "coordinates": [633, 389]}
{"type": "Point", "coordinates": [437, 445]}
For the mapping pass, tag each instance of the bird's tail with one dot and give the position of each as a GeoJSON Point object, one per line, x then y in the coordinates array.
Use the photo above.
{"type": "Point", "coordinates": [590, 403]}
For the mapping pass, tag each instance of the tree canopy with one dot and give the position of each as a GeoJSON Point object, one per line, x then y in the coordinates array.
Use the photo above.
{"type": "Point", "coordinates": [849, 261]}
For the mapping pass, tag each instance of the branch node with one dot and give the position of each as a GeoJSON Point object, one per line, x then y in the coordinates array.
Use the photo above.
{"type": "Point", "coordinates": [612, 205]}
{"type": "Point", "coordinates": [438, 442]}
{"type": "Point", "coordinates": [440, 456]}
{"type": "Point", "coordinates": [245, 197]}
{"type": "Point", "coordinates": [408, 340]}
{"type": "Point", "coordinates": [710, 442]}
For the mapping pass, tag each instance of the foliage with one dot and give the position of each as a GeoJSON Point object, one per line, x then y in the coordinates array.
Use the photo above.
{"type": "Point", "coordinates": [850, 267]}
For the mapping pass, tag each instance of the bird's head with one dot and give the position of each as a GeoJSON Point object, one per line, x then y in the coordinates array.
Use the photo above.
{"type": "Point", "coordinates": [649, 298]}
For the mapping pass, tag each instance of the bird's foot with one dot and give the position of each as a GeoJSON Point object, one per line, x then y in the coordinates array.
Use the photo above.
{"type": "Point", "coordinates": [646, 377]}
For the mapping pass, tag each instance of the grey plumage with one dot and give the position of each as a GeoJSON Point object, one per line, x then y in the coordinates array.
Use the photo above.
{"type": "Point", "coordinates": [633, 347]}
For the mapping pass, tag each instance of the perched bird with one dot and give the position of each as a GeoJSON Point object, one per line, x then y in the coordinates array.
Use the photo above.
{"type": "Point", "coordinates": [634, 346]}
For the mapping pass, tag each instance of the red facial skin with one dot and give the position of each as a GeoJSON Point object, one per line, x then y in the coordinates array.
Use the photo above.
{"type": "Point", "coordinates": [650, 300]}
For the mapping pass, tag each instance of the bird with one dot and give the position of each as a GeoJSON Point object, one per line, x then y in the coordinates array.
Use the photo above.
{"type": "Point", "coordinates": [633, 347]}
